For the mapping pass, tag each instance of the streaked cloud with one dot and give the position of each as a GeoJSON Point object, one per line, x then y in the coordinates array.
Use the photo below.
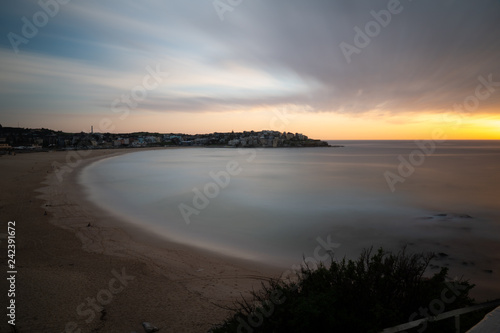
{"type": "Point", "coordinates": [264, 55]}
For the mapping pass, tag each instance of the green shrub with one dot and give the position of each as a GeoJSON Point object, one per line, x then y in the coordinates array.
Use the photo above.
{"type": "Point", "coordinates": [376, 291]}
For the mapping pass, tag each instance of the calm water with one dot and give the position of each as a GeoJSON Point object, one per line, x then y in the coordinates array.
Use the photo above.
{"type": "Point", "coordinates": [281, 200]}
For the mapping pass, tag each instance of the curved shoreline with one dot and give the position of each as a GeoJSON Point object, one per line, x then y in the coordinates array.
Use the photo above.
{"type": "Point", "coordinates": [174, 286]}
{"type": "Point", "coordinates": [462, 256]}
{"type": "Point", "coordinates": [123, 234]}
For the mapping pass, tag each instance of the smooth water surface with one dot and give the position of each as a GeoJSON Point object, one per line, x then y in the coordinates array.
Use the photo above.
{"type": "Point", "coordinates": [279, 201]}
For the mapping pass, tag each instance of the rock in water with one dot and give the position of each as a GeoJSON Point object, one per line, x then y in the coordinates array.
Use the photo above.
{"type": "Point", "coordinates": [149, 328]}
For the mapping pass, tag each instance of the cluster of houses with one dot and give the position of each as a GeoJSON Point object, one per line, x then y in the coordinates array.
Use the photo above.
{"type": "Point", "coordinates": [269, 139]}
{"type": "Point", "coordinates": [40, 139]}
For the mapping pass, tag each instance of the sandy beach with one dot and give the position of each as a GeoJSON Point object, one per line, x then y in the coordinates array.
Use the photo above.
{"type": "Point", "coordinates": [81, 269]}
{"type": "Point", "coordinates": [107, 276]}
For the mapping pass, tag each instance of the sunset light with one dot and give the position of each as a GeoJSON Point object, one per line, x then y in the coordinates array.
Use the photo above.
{"type": "Point", "coordinates": [216, 68]}
{"type": "Point", "coordinates": [250, 166]}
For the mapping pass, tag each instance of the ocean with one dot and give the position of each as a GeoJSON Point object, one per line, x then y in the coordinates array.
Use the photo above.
{"type": "Point", "coordinates": [277, 205]}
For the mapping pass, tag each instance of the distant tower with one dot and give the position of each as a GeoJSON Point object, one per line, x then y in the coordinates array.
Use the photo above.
{"type": "Point", "coordinates": [91, 129]}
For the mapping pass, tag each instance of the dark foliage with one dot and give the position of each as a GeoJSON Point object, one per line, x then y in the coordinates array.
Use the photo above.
{"type": "Point", "coordinates": [376, 291]}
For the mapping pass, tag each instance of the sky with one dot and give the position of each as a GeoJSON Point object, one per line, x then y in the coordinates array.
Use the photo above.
{"type": "Point", "coordinates": [329, 69]}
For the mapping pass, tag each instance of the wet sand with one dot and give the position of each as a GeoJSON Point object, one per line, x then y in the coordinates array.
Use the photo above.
{"type": "Point", "coordinates": [69, 271]}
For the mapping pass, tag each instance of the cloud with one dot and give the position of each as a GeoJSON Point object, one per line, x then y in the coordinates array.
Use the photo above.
{"type": "Point", "coordinates": [264, 54]}
{"type": "Point", "coordinates": [428, 57]}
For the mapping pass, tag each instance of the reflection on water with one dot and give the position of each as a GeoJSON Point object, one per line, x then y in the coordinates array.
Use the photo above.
{"type": "Point", "coordinates": [283, 199]}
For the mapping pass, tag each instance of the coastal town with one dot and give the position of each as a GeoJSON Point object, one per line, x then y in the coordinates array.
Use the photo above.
{"type": "Point", "coordinates": [21, 139]}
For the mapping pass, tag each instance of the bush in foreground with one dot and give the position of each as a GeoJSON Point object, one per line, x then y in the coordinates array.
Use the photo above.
{"type": "Point", "coordinates": [376, 291]}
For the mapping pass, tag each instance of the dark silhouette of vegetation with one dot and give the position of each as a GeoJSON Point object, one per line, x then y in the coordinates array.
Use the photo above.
{"type": "Point", "coordinates": [376, 291]}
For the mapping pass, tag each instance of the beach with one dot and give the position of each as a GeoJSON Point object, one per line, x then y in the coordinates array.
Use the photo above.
{"type": "Point", "coordinates": [80, 269]}
{"type": "Point", "coordinates": [84, 268]}
{"type": "Point", "coordinates": [281, 204]}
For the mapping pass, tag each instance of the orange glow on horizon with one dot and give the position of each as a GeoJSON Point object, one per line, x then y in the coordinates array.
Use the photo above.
{"type": "Point", "coordinates": [324, 126]}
